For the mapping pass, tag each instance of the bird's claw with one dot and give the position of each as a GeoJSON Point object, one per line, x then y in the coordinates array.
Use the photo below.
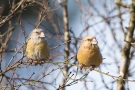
{"type": "Point", "coordinates": [81, 66]}
{"type": "Point", "coordinates": [92, 67]}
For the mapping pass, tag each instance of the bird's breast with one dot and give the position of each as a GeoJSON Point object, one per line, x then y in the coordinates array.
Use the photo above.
{"type": "Point", "coordinates": [89, 57]}
{"type": "Point", "coordinates": [37, 51]}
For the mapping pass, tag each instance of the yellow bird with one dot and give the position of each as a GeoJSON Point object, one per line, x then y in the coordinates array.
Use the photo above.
{"type": "Point", "coordinates": [88, 53]}
{"type": "Point", "coordinates": [37, 49]}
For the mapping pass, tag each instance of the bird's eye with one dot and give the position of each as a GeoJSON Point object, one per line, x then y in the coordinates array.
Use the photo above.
{"type": "Point", "coordinates": [37, 32]}
{"type": "Point", "coordinates": [89, 39]}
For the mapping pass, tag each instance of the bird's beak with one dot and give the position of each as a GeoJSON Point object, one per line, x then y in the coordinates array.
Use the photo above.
{"type": "Point", "coordinates": [94, 41]}
{"type": "Point", "coordinates": [42, 35]}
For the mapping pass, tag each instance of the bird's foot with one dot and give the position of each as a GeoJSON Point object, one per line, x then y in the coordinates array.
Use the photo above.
{"type": "Point", "coordinates": [30, 61]}
{"type": "Point", "coordinates": [42, 61]}
{"type": "Point", "coordinates": [33, 62]}
{"type": "Point", "coordinates": [81, 66]}
{"type": "Point", "coordinates": [92, 67]}
{"type": "Point", "coordinates": [36, 62]}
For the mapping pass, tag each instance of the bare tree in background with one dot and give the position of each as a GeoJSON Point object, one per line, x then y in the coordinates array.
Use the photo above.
{"type": "Point", "coordinates": [65, 23]}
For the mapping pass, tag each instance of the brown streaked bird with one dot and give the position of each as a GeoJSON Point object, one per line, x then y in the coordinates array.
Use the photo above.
{"type": "Point", "coordinates": [88, 53]}
{"type": "Point", "coordinates": [37, 49]}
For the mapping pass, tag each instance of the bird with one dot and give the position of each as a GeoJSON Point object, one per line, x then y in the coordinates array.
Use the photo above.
{"type": "Point", "coordinates": [37, 49]}
{"type": "Point", "coordinates": [88, 54]}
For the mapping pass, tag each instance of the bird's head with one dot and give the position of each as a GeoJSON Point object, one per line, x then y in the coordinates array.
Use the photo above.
{"type": "Point", "coordinates": [89, 41]}
{"type": "Point", "coordinates": [37, 35]}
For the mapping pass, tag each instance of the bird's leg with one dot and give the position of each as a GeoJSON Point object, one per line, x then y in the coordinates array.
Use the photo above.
{"type": "Point", "coordinates": [92, 67]}
{"type": "Point", "coordinates": [30, 61]}
{"type": "Point", "coordinates": [42, 61]}
{"type": "Point", "coordinates": [33, 62]}
{"type": "Point", "coordinates": [81, 66]}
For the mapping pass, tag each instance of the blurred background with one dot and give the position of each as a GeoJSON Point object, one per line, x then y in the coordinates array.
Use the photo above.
{"type": "Point", "coordinates": [65, 23]}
